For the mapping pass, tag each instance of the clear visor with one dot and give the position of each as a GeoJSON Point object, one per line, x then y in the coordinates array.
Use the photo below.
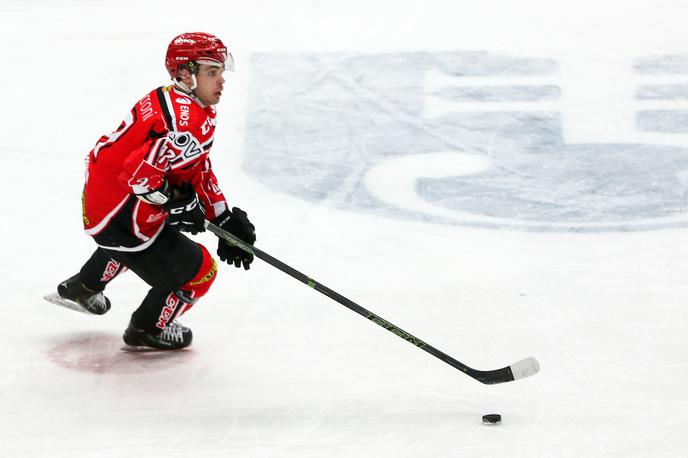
{"type": "Point", "coordinates": [228, 64]}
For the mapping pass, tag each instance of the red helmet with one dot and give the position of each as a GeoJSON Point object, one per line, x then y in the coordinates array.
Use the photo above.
{"type": "Point", "coordinates": [196, 48]}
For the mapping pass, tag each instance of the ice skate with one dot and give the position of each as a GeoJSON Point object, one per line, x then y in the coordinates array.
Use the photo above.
{"type": "Point", "coordinates": [174, 337]}
{"type": "Point", "coordinates": [72, 294]}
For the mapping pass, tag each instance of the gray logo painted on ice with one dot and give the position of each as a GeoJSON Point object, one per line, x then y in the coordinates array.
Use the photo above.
{"type": "Point", "coordinates": [475, 138]}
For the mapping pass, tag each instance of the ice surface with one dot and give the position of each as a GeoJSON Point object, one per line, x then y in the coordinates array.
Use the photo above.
{"type": "Point", "coordinates": [549, 220]}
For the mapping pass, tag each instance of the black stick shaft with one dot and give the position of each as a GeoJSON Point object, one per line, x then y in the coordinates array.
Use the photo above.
{"type": "Point", "coordinates": [487, 377]}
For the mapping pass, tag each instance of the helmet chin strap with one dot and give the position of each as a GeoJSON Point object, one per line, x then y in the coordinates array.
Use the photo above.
{"type": "Point", "coordinates": [183, 86]}
{"type": "Point", "coordinates": [189, 90]}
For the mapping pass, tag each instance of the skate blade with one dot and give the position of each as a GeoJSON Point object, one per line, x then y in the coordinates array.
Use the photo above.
{"type": "Point", "coordinates": [56, 299]}
{"type": "Point", "coordinates": [144, 349]}
{"type": "Point", "coordinates": [138, 349]}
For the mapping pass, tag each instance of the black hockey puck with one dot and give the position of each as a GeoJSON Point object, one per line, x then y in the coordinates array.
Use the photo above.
{"type": "Point", "coordinates": [492, 419]}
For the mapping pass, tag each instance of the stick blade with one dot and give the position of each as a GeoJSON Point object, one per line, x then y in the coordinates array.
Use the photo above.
{"type": "Point", "coordinates": [518, 370]}
{"type": "Point", "coordinates": [525, 368]}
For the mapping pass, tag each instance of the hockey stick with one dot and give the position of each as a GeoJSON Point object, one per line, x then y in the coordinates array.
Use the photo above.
{"type": "Point", "coordinates": [518, 370]}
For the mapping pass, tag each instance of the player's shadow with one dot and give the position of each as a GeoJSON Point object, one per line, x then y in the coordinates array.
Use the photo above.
{"type": "Point", "coordinates": [103, 353]}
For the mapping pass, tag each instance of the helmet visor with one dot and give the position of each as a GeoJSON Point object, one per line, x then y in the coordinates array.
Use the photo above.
{"type": "Point", "coordinates": [228, 64]}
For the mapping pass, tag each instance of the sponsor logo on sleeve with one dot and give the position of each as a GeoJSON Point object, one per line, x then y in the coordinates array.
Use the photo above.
{"type": "Point", "coordinates": [184, 115]}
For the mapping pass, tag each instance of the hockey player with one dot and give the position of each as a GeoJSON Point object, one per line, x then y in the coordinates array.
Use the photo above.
{"type": "Point", "coordinates": [147, 182]}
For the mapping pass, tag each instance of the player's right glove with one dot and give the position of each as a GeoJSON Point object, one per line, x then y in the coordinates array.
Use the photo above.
{"type": "Point", "coordinates": [186, 211]}
{"type": "Point", "coordinates": [236, 222]}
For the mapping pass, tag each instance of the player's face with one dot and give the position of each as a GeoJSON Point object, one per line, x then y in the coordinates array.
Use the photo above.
{"type": "Point", "coordinates": [210, 84]}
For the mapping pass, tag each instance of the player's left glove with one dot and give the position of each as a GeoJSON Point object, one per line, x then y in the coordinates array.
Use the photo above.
{"type": "Point", "coordinates": [186, 212]}
{"type": "Point", "coordinates": [236, 222]}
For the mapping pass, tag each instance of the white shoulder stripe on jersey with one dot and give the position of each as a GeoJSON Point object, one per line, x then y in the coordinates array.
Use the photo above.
{"type": "Point", "coordinates": [170, 109]}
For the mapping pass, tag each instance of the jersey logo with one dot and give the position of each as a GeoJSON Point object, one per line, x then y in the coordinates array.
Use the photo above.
{"type": "Point", "coordinates": [181, 147]}
{"type": "Point", "coordinates": [205, 127]}
{"type": "Point", "coordinates": [183, 100]}
{"type": "Point", "coordinates": [184, 115]}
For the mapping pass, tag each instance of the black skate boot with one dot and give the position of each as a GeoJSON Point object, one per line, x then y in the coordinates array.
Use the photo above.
{"type": "Point", "coordinates": [173, 337]}
{"type": "Point", "coordinates": [71, 293]}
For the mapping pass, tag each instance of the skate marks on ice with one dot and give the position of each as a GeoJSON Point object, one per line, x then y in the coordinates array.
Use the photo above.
{"type": "Point", "coordinates": [104, 353]}
{"type": "Point", "coordinates": [476, 138]}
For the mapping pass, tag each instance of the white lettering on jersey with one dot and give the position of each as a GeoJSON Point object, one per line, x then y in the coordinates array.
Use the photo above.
{"type": "Point", "coordinates": [146, 108]}
{"type": "Point", "coordinates": [184, 115]}
{"type": "Point", "coordinates": [205, 127]}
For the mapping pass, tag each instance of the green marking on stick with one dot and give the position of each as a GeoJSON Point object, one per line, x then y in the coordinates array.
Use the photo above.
{"type": "Point", "coordinates": [395, 330]}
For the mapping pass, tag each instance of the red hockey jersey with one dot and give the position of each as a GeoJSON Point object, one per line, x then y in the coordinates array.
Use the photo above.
{"type": "Point", "coordinates": [166, 136]}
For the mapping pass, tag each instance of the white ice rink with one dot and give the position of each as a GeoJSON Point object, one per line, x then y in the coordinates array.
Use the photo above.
{"type": "Point", "coordinates": [530, 202]}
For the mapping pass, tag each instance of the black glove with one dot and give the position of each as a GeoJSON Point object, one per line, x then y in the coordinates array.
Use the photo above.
{"type": "Point", "coordinates": [236, 223]}
{"type": "Point", "coordinates": [186, 211]}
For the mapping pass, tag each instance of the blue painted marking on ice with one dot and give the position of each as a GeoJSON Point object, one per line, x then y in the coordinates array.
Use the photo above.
{"type": "Point", "coordinates": [395, 134]}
